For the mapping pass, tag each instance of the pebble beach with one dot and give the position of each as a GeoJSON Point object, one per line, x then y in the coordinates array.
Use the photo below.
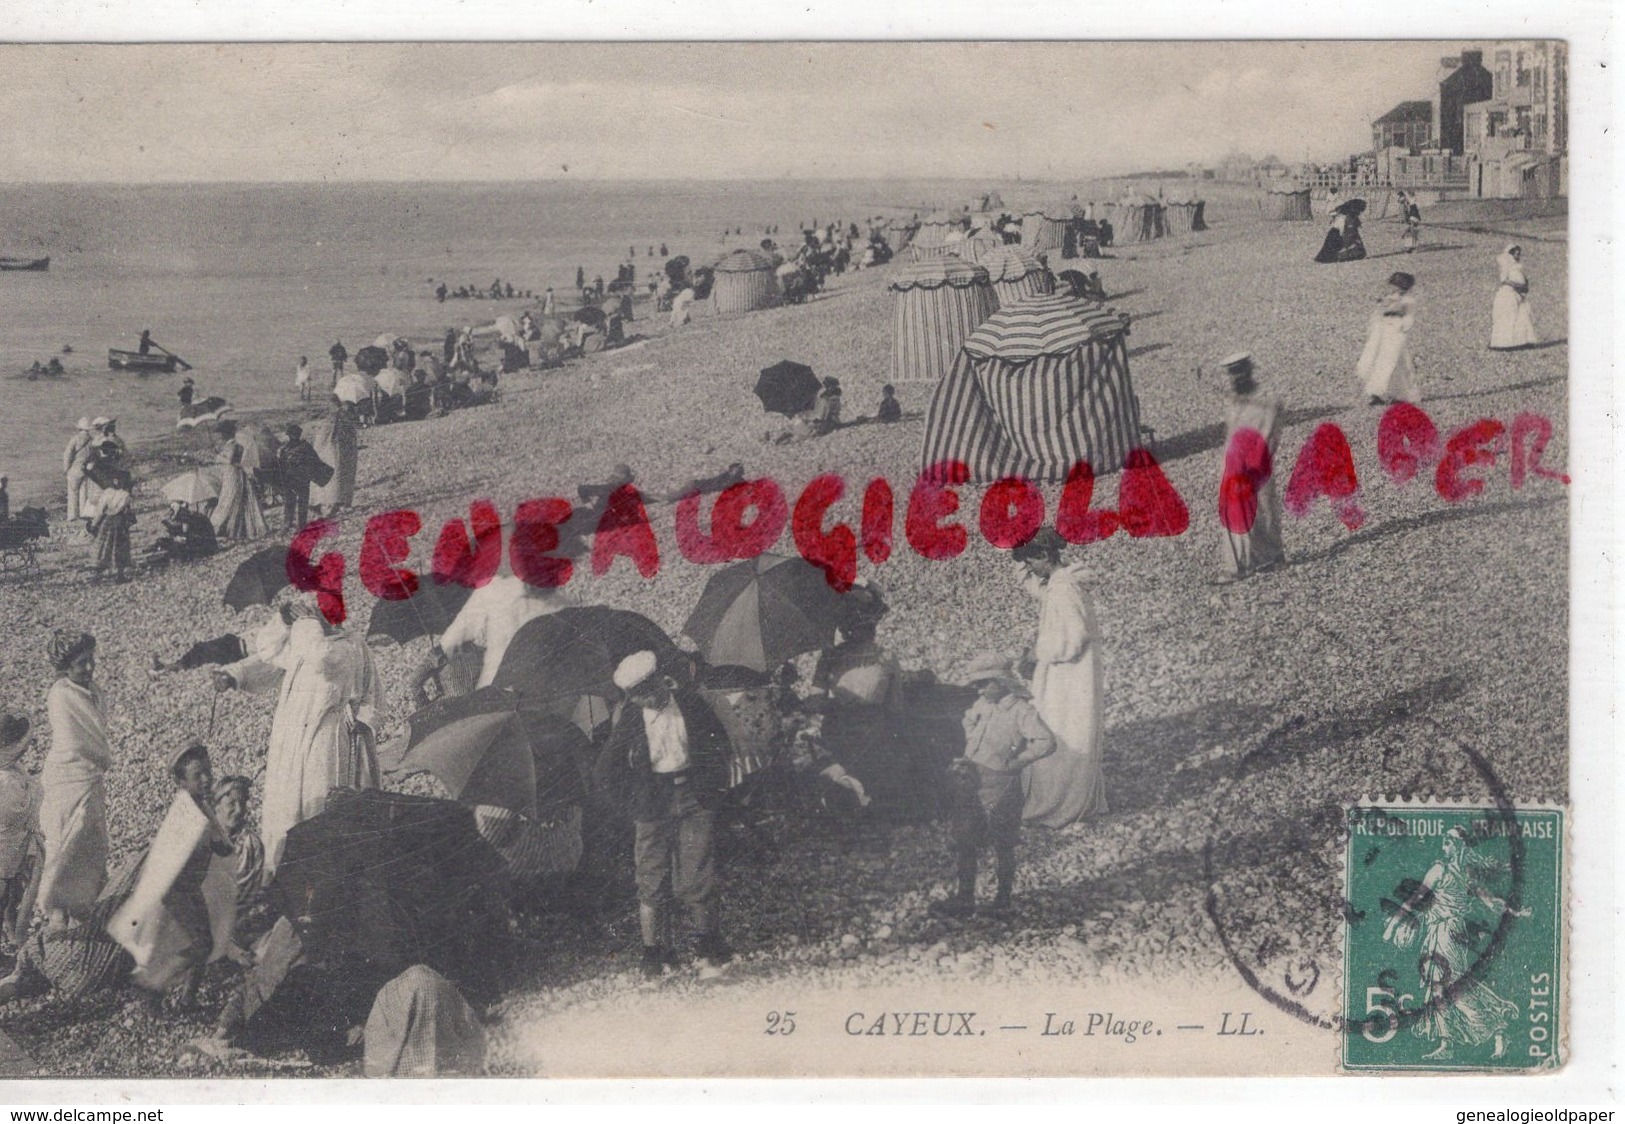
{"type": "Point", "coordinates": [1403, 656]}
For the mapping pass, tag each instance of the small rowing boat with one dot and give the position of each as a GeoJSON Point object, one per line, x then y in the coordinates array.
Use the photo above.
{"type": "Point", "coordinates": [25, 265]}
{"type": "Point", "coordinates": [135, 361]}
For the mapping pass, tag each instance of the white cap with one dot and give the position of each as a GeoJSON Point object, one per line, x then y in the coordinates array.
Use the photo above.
{"type": "Point", "coordinates": [97, 423]}
{"type": "Point", "coordinates": [1235, 360]}
{"type": "Point", "coordinates": [634, 669]}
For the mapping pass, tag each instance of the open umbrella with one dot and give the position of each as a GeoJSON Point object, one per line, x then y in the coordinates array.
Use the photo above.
{"type": "Point", "coordinates": [557, 659]}
{"type": "Point", "coordinates": [191, 488]}
{"type": "Point", "coordinates": [371, 360]}
{"type": "Point", "coordinates": [1354, 207]}
{"type": "Point", "coordinates": [428, 612]}
{"type": "Point", "coordinates": [787, 388]}
{"type": "Point", "coordinates": [587, 314]}
{"type": "Point", "coordinates": [476, 745]}
{"type": "Point", "coordinates": [355, 388]}
{"type": "Point", "coordinates": [489, 747]}
{"type": "Point", "coordinates": [759, 613]}
{"type": "Point", "coordinates": [259, 578]}
{"type": "Point", "coordinates": [383, 874]}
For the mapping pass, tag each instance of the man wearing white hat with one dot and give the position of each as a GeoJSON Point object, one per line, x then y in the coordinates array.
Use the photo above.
{"type": "Point", "coordinates": [1003, 735]}
{"type": "Point", "coordinates": [666, 761]}
{"type": "Point", "coordinates": [73, 463]}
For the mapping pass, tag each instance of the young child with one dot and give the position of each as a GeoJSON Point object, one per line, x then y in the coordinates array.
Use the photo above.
{"type": "Point", "coordinates": [193, 775]}
{"type": "Point", "coordinates": [826, 416]}
{"type": "Point", "coordinates": [20, 842]}
{"type": "Point", "coordinates": [111, 527]}
{"type": "Point", "coordinates": [231, 796]}
{"type": "Point", "coordinates": [890, 409]}
{"type": "Point", "coordinates": [1003, 735]}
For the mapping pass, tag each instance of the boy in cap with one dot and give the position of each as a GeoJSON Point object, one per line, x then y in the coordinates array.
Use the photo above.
{"type": "Point", "coordinates": [1003, 735]}
{"type": "Point", "coordinates": [20, 840]}
{"type": "Point", "coordinates": [666, 761]}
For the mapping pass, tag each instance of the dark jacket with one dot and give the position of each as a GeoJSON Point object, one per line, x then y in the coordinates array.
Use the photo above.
{"type": "Point", "coordinates": [627, 776]}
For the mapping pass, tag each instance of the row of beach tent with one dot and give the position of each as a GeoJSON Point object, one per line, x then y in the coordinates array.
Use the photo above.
{"type": "Point", "coordinates": [1053, 228]}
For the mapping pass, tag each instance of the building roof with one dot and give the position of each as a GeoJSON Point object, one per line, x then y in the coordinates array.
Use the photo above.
{"type": "Point", "coordinates": [1407, 111]}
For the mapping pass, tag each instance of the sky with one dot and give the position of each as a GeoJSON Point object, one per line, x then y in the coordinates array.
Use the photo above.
{"type": "Point", "coordinates": [338, 112]}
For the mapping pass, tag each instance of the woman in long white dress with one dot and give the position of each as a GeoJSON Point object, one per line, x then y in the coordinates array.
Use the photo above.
{"type": "Point", "coordinates": [323, 733]}
{"type": "Point", "coordinates": [1385, 367]}
{"type": "Point", "coordinates": [73, 814]}
{"type": "Point", "coordinates": [1067, 688]}
{"type": "Point", "coordinates": [237, 514]}
{"type": "Point", "coordinates": [337, 442]}
{"type": "Point", "coordinates": [1510, 323]}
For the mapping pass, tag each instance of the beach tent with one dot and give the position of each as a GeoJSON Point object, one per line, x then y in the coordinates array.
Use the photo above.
{"type": "Point", "coordinates": [1042, 384]}
{"type": "Point", "coordinates": [744, 282]}
{"type": "Point", "coordinates": [1045, 229]}
{"type": "Point", "coordinates": [1184, 216]}
{"type": "Point", "coordinates": [1288, 204]}
{"type": "Point", "coordinates": [979, 241]}
{"type": "Point", "coordinates": [1015, 274]}
{"type": "Point", "coordinates": [939, 302]}
{"type": "Point", "coordinates": [1139, 218]}
{"type": "Point", "coordinates": [931, 239]}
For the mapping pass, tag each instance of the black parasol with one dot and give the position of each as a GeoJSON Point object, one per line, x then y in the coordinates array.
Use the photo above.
{"type": "Point", "coordinates": [371, 360]}
{"type": "Point", "coordinates": [380, 875]}
{"type": "Point", "coordinates": [787, 388]}
{"type": "Point", "coordinates": [428, 612]}
{"type": "Point", "coordinates": [557, 659]}
{"type": "Point", "coordinates": [1355, 207]}
{"type": "Point", "coordinates": [260, 578]}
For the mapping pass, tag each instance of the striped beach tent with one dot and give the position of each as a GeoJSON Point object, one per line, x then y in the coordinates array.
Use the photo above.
{"type": "Point", "coordinates": [979, 241]}
{"type": "Point", "coordinates": [1045, 229]}
{"type": "Point", "coordinates": [744, 282]}
{"type": "Point", "coordinates": [1184, 216]}
{"type": "Point", "coordinates": [1044, 383]}
{"type": "Point", "coordinates": [939, 301]}
{"type": "Point", "coordinates": [931, 239]}
{"type": "Point", "coordinates": [1287, 204]}
{"type": "Point", "coordinates": [1138, 219]}
{"type": "Point", "coordinates": [1015, 274]}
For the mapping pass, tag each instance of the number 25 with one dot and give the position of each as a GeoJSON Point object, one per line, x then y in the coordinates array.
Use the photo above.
{"type": "Point", "coordinates": [781, 1023]}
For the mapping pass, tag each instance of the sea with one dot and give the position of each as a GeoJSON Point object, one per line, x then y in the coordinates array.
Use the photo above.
{"type": "Point", "coordinates": [241, 280]}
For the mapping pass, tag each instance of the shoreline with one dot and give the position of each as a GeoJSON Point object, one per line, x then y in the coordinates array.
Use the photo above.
{"type": "Point", "coordinates": [1373, 623]}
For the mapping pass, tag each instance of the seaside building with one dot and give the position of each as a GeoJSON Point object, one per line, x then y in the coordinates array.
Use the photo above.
{"type": "Point", "coordinates": [1516, 138]}
{"type": "Point", "coordinates": [1463, 81]}
{"type": "Point", "coordinates": [1408, 126]}
{"type": "Point", "coordinates": [1496, 128]}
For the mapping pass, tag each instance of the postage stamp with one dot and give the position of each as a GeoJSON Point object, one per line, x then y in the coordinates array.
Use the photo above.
{"type": "Point", "coordinates": [1454, 947]}
{"type": "Point", "coordinates": [478, 598]}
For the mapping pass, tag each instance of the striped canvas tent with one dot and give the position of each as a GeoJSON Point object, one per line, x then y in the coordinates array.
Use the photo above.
{"type": "Point", "coordinates": [744, 282]}
{"type": "Point", "coordinates": [1015, 274]}
{"type": "Point", "coordinates": [1184, 216]}
{"type": "Point", "coordinates": [1044, 230]}
{"type": "Point", "coordinates": [1288, 204]}
{"type": "Point", "coordinates": [931, 239]}
{"type": "Point", "coordinates": [1138, 219]}
{"type": "Point", "coordinates": [979, 241]}
{"type": "Point", "coordinates": [939, 301]}
{"type": "Point", "coordinates": [1044, 383]}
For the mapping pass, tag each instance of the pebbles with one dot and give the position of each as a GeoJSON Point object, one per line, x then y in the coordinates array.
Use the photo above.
{"type": "Point", "coordinates": [1431, 622]}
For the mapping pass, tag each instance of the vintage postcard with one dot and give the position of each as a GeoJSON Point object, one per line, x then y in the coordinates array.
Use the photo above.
{"type": "Point", "coordinates": [780, 559]}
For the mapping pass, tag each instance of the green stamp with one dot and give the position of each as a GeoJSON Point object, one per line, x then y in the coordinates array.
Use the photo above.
{"type": "Point", "coordinates": [1453, 940]}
